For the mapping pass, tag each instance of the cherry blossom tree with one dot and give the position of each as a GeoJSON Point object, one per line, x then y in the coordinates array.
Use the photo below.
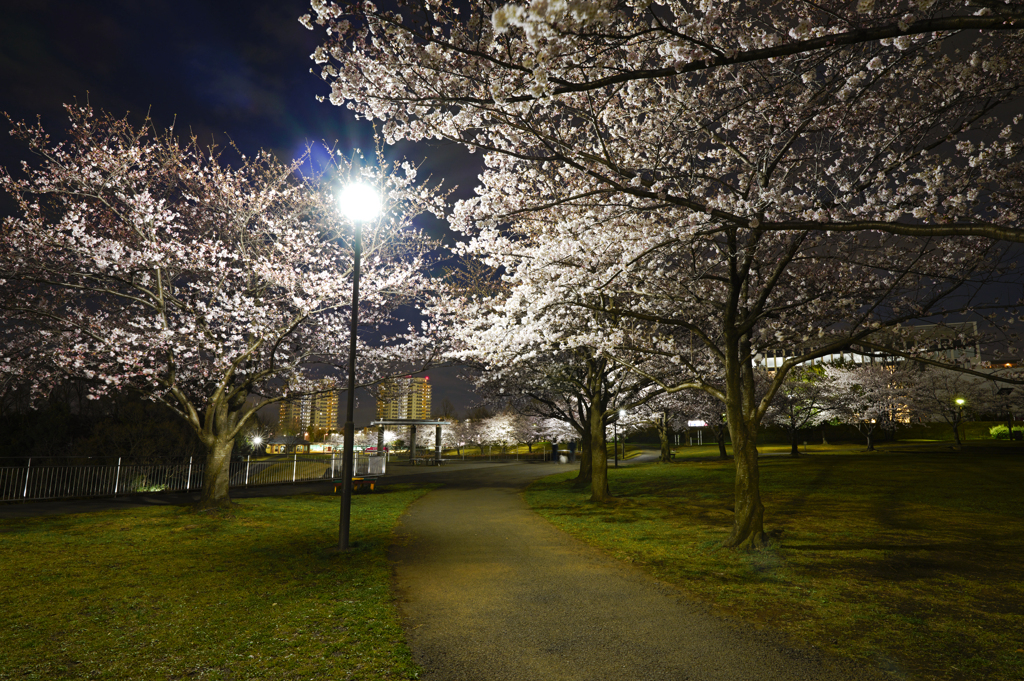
{"type": "Point", "coordinates": [555, 430]}
{"type": "Point", "coordinates": [872, 397]}
{"type": "Point", "coordinates": [943, 395]}
{"type": "Point", "coordinates": [499, 431]}
{"type": "Point", "coordinates": [664, 413]}
{"type": "Point", "coordinates": [531, 360]}
{"type": "Point", "coordinates": [804, 399]}
{"type": "Point", "coordinates": [474, 432]}
{"type": "Point", "coordinates": [581, 87]}
{"type": "Point", "coordinates": [709, 184]}
{"type": "Point", "coordinates": [527, 429]}
{"type": "Point", "coordinates": [455, 435]}
{"type": "Point", "coordinates": [143, 262]}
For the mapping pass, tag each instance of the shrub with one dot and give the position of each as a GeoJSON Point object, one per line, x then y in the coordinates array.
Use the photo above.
{"type": "Point", "coordinates": [1001, 432]}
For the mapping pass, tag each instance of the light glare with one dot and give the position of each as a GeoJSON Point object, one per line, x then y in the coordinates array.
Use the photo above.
{"type": "Point", "coordinates": [359, 202]}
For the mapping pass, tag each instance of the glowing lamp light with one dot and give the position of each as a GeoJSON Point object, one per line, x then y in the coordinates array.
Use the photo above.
{"type": "Point", "coordinates": [257, 440]}
{"type": "Point", "coordinates": [960, 401]}
{"type": "Point", "coordinates": [359, 202]}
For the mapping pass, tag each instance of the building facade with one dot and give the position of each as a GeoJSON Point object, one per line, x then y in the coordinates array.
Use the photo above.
{"type": "Point", "coordinates": [310, 415]}
{"type": "Point", "coordinates": [405, 398]}
{"type": "Point", "coordinates": [956, 343]}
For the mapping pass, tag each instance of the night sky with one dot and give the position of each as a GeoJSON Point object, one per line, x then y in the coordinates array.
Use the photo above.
{"type": "Point", "coordinates": [223, 69]}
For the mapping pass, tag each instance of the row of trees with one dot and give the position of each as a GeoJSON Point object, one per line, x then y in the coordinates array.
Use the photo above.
{"type": "Point", "coordinates": [879, 398]}
{"type": "Point", "coordinates": [674, 189]}
{"type": "Point", "coordinates": [504, 431]}
{"type": "Point", "coordinates": [872, 397]}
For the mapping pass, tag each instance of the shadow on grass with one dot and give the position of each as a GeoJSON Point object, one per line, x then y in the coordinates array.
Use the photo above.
{"type": "Point", "coordinates": [909, 557]}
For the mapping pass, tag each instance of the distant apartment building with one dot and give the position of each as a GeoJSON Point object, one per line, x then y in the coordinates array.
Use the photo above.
{"type": "Point", "coordinates": [310, 414]}
{"type": "Point", "coordinates": [404, 398]}
{"type": "Point", "coordinates": [953, 342]}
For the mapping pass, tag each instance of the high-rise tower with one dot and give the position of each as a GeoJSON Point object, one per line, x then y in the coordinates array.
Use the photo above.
{"type": "Point", "coordinates": [405, 398]}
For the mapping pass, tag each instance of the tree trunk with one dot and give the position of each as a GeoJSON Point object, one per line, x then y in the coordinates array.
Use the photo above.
{"type": "Point", "coordinates": [216, 476]}
{"type": "Point", "coordinates": [956, 431]}
{"type": "Point", "coordinates": [795, 449]}
{"type": "Point", "coordinates": [586, 474]}
{"type": "Point", "coordinates": [666, 453]}
{"type": "Point", "coordinates": [871, 439]}
{"type": "Point", "coordinates": [720, 432]}
{"type": "Point", "coordinates": [599, 453]}
{"type": "Point", "coordinates": [748, 516]}
{"type": "Point", "coordinates": [221, 424]}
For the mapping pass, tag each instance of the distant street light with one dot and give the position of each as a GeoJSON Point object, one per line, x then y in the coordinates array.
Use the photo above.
{"type": "Point", "coordinates": [959, 419]}
{"type": "Point", "coordinates": [358, 202]}
{"type": "Point", "coordinates": [622, 414]}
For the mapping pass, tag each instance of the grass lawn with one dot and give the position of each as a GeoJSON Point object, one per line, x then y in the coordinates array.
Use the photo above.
{"type": "Point", "coordinates": [163, 593]}
{"type": "Point", "coordinates": [911, 559]}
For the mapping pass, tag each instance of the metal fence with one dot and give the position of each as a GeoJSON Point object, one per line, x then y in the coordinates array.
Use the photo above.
{"type": "Point", "coordinates": [44, 481]}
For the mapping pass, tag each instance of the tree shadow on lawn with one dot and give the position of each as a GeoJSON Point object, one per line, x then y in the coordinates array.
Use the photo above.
{"type": "Point", "coordinates": [903, 562]}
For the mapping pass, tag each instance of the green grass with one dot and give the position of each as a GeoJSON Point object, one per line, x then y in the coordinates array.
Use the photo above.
{"type": "Point", "coordinates": [163, 593]}
{"type": "Point", "coordinates": [909, 560]}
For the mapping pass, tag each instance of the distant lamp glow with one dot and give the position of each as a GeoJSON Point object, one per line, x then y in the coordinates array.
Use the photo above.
{"type": "Point", "coordinates": [359, 202]}
{"type": "Point", "coordinates": [960, 401]}
{"type": "Point", "coordinates": [257, 440]}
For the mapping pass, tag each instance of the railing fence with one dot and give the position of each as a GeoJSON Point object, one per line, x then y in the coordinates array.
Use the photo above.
{"type": "Point", "coordinates": [42, 481]}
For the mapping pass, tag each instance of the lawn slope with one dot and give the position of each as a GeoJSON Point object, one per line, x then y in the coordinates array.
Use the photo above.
{"type": "Point", "coordinates": [163, 593]}
{"type": "Point", "coordinates": [910, 560]}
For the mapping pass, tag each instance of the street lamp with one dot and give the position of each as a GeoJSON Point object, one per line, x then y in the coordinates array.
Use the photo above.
{"type": "Point", "coordinates": [960, 418]}
{"type": "Point", "coordinates": [622, 413]}
{"type": "Point", "coordinates": [358, 202]}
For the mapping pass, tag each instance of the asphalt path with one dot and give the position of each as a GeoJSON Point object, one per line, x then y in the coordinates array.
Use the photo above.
{"type": "Point", "coordinates": [489, 591]}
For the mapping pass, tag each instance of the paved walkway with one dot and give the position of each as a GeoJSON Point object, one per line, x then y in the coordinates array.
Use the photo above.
{"type": "Point", "coordinates": [489, 591]}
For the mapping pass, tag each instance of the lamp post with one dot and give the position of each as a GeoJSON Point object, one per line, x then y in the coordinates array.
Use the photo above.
{"type": "Point", "coordinates": [615, 443]}
{"type": "Point", "coordinates": [622, 413]}
{"type": "Point", "coordinates": [1004, 392]}
{"type": "Point", "coordinates": [359, 202]}
{"type": "Point", "coordinates": [959, 419]}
